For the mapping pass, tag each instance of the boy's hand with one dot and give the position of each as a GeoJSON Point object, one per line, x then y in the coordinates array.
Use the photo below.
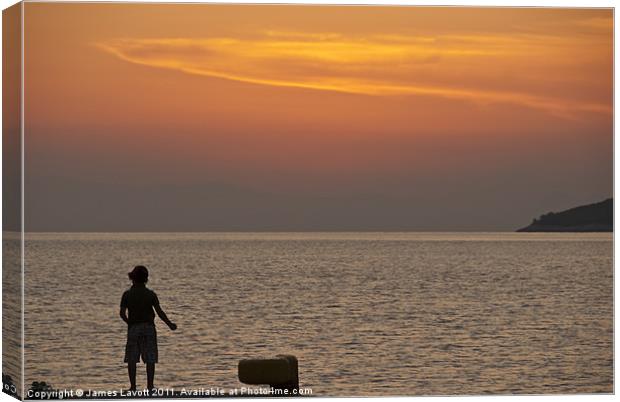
{"type": "Point", "coordinates": [172, 326]}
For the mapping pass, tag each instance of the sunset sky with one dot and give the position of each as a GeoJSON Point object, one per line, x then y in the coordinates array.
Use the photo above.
{"type": "Point", "coordinates": [154, 117]}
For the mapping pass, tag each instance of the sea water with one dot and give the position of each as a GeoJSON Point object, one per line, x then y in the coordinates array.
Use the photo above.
{"type": "Point", "coordinates": [365, 313]}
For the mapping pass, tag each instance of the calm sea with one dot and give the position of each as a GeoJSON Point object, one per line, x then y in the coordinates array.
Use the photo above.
{"type": "Point", "coordinates": [365, 313]}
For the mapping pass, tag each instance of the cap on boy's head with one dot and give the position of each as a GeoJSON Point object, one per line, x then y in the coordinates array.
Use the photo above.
{"type": "Point", "coordinates": [139, 274]}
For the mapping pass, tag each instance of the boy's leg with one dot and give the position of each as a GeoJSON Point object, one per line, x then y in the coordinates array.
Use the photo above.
{"type": "Point", "coordinates": [150, 375]}
{"type": "Point", "coordinates": [150, 354]}
{"type": "Point", "coordinates": [131, 370]}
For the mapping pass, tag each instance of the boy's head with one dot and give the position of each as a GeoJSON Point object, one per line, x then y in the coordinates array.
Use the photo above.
{"type": "Point", "coordinates": [139, 274]}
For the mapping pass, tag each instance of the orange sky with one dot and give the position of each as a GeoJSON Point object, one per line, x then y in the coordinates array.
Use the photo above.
{"type": "Point", "coordinates": [425, 106]}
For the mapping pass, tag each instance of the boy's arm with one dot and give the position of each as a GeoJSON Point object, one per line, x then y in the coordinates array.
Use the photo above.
{"type": "Point", "coordinates": [164, 317]}
{"type": "Point", "coordinates": [124, 314]}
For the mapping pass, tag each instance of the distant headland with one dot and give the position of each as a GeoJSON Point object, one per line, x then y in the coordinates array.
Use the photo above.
{"type": "Point", "coordinates": [598, 217]}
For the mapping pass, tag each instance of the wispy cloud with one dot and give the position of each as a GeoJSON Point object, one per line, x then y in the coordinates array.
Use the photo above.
{"type": "Point", "coordinates": [450, 66]}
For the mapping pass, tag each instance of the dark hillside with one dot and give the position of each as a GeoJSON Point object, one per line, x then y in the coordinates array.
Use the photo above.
{"type": "Point", "coordinates": [596, 217]}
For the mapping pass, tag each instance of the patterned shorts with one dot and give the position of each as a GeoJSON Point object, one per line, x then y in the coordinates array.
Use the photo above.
{"type": "Point", "coordinates": [141, 341]}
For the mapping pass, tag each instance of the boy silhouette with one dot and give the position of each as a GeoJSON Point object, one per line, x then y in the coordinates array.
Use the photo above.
{"type": "Point", "coordinates": [141, 333]}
